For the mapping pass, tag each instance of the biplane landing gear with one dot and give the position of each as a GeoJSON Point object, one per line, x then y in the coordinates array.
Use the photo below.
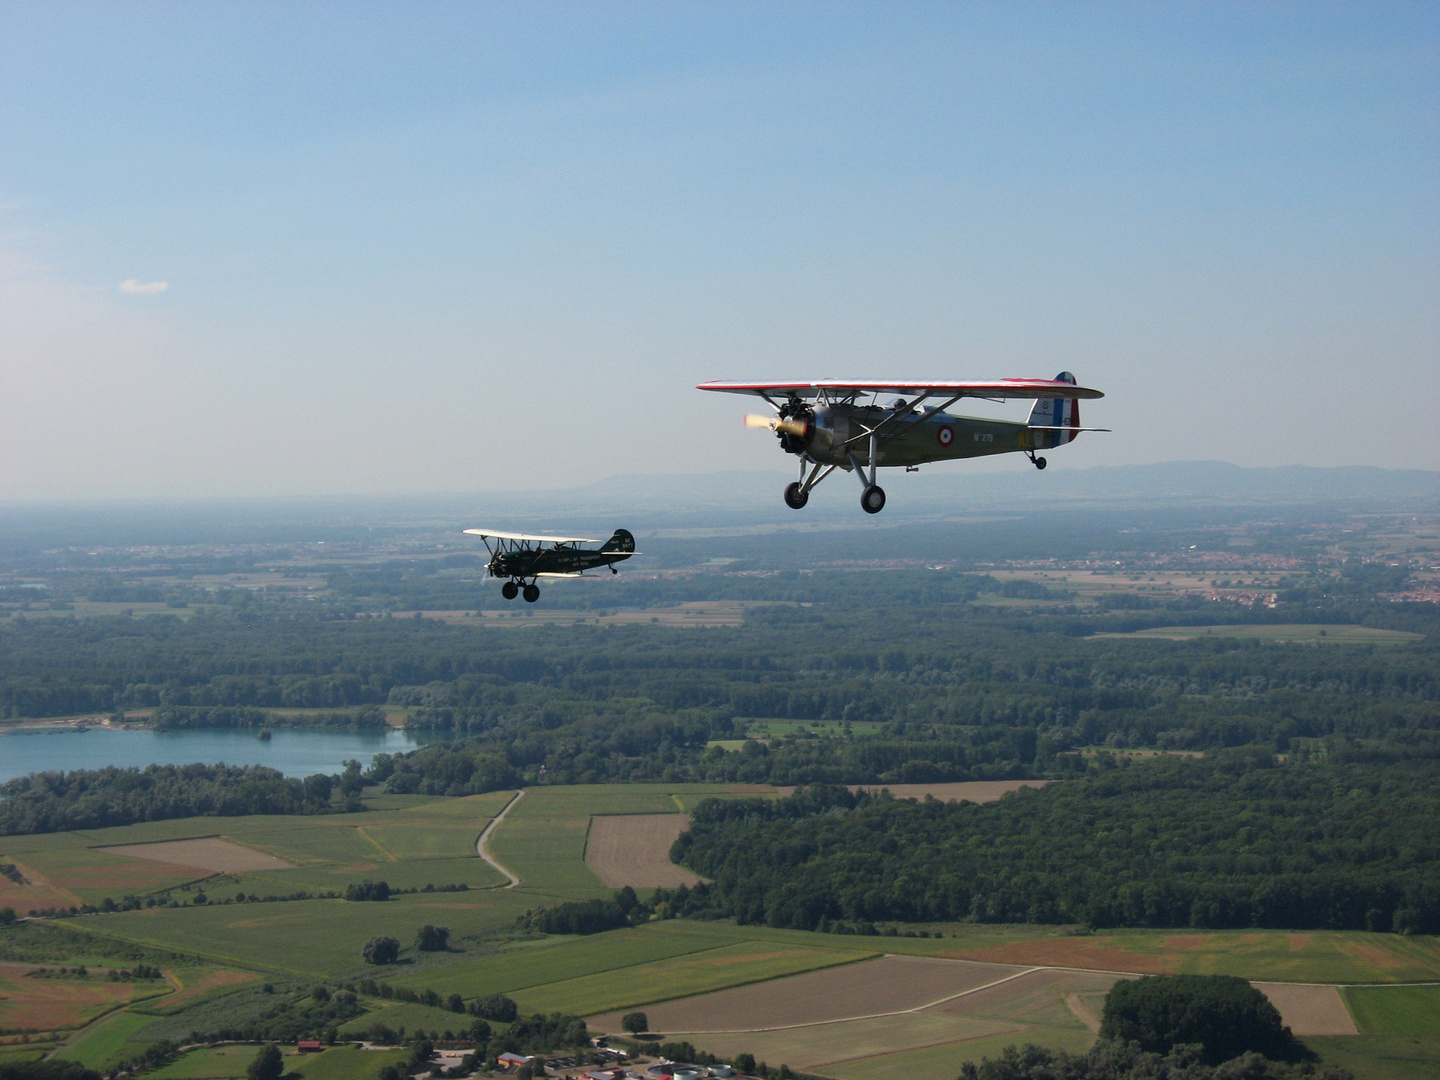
{"type": "Point", "coordinates": [796, 497]}
{"type": "Point", "coordinates": [872, 499]}
{"type": "Point", "coordinates": [509, 590]}
{"type": "Point", "coordinates": [532, 593]}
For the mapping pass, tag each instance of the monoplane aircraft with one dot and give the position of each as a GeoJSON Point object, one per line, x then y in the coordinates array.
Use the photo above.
{"type": "Point", "coordinates": [518, 556]}
{"type": "Point", "coordinates": [834, 424]}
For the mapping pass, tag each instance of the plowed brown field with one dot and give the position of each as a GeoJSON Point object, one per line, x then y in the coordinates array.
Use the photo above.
{"type": "Point", "coordinates": [206, 853]}
{"type": "Point", "coordinates": [887, 984]}
{"type": "Point", "coordinates": [634, 849]}
{"type": "Point", "coordinates": [1310, 1010]}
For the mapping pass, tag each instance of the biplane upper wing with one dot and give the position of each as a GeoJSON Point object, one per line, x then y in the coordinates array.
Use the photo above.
{"type": "Point", "coordinates": [995, 388]}
{"type": "Point", "coordinates": [495, 534]}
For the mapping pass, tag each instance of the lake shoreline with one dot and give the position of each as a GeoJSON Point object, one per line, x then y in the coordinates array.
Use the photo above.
{"type": "Point", "coordinates": [41, 746]}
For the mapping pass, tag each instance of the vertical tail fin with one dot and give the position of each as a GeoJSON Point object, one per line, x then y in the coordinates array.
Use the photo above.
{"type": "Point", "coordinates": [621, 541]}
{"type": "Point", "coordinates": [1056, 413]}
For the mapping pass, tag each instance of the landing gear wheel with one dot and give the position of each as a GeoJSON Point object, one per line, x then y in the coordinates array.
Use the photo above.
{"type": "Point", "coordinates": [872, 499]}
{"type": "Point", "coordinates": [532, 593]}
{"type": "Point", "coordinates": [509, 590]}
{"type": "Point", "coordinates": [1040, 463]}
{"type": "Point", "coordinates": [795, 498]}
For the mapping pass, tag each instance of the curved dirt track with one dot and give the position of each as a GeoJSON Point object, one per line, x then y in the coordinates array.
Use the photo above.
{"type": "Point", "coordinates": [483, 850]}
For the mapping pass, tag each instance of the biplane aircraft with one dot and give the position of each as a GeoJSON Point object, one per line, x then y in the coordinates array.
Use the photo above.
{"type": "Point", "coordinates": [833, 424]}
{"type": "Point", "coordinates": [518, 556]}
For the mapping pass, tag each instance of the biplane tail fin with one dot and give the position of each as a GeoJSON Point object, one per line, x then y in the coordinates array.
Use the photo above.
{"type": "Point", "coordinates": [1056, 414]}
{"type": "Point", "coordinates": [622, 542]}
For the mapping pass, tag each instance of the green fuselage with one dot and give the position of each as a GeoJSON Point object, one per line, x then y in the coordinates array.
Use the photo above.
{"type": "Point", "coordinates": [519, 561]}
{"type": "Point", "coordinates": [837, 432]}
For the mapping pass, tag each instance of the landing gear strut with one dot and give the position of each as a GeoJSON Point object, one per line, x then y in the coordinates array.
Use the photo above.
{"type": "Point", "coordinates": [1038, 462]}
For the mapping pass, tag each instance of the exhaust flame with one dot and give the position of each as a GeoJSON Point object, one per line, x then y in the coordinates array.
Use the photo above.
{"type": "Point", "coordinates": [775, 423]}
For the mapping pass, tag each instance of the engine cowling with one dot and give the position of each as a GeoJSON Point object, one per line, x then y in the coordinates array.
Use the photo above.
{"type": "Point", "coordinates": [798, 412]}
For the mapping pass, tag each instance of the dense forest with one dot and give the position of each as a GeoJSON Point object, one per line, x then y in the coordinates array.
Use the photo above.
{"type": "Point", "coordinates": [929, 693]}
{"type": "Point", "coordinates": [1230, 841]}
{"type": "Point", "coordinates": [95, 798]}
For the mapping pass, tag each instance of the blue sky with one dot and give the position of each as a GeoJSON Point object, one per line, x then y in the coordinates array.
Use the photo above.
{"type": "Point", "coordinates": [445, 247]}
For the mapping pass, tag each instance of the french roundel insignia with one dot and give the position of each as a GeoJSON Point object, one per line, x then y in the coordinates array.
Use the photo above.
{"type": "Point", "coordinates": [946, 435]}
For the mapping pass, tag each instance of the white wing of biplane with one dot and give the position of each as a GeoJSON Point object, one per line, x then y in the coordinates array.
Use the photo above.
{"type": "Point", "coordinates": [497, 535]}
{"type": "Point", "coordinates": [996, 388]}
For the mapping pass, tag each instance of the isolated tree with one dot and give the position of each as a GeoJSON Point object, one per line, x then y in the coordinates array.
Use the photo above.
{"type": "Point", "coordinates": [1222, 1013]}
{"type": "Point", "coordinates": [367, 890]}
{"type": "Point", "coordinates": [432, 938]}
{"type": "Point", "coordinates": [635, 1022]}
{"type": "Point", "coordinates": [267, 1064]}
{"type": "Point", "coordinates": [381, 950]}
{"type": "Point", "coordinates": [745, 1064]}
{"type": "Point", "coordinates": [495, 1007]}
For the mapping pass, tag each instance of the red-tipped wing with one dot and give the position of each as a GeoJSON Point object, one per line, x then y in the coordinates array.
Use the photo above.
{"type": "Point", "coordinates": [997, 388]}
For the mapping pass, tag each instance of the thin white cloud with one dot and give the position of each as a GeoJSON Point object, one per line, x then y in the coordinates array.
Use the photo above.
{"type": "Point", "coordinates": [143, 288]}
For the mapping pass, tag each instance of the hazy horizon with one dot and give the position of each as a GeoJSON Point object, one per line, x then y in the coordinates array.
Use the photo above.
{"type": "Point", "coordinates": [266, 251]}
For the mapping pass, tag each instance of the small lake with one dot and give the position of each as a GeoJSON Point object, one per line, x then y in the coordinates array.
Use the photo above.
{"type": "Point", "coordinates": [294, 753]}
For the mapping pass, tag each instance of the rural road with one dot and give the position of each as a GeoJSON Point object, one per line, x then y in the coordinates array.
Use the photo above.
{"type": "Point", "coordinates": [484, 852]}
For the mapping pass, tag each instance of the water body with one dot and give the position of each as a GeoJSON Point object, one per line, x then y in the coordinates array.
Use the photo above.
{"type": "Point", "coordinates": [294, 753]}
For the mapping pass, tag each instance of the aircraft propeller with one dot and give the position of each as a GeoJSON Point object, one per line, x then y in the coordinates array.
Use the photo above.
{"type": "Point", "coordinates": [776, 423]}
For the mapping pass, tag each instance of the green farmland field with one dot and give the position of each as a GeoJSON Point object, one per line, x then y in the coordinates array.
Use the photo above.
{"type": "Point", "coordinates": [554, 960]}
{"type": "Point", "coordinates": [1395, 1010]}
{"type": "Point", "coordinates": [679, 976]}
{"type": "Point", "coordinates": [216, 950]}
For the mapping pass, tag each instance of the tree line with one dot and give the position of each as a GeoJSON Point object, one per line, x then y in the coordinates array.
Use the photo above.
{"type": "Point", "coordinates": [1231, 842]}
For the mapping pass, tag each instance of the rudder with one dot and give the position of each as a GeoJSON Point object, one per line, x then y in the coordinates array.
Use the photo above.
{"type": "Point", "coordinates": [622, 541]}
{"type": "Point", "coordinates": [1056, 413]}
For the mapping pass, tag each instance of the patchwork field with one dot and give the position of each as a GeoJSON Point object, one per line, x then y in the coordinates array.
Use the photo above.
{"type": "Point", "coordinates": [832, 1021]}
{"type": "Point", "coordinates": [28, 1002]}
{"type": "Point", "coordinates": [853, 1008]}
{"type": "Point", "coordinates": [634, 849]}
{"type": "Point", "coordinates": [204, 853]}
{"type": "Point", "coordinates": [1312, 956]}
{"type": "Point", "coordinates": [92, 875]}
